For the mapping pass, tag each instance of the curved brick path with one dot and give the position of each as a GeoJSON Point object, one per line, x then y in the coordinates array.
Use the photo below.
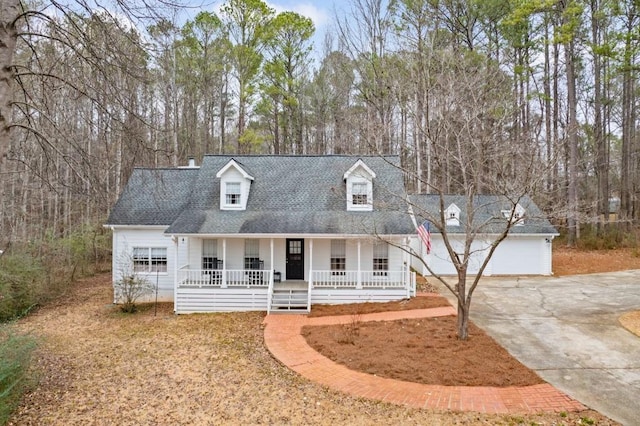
{"type": "Point", "coordinates": [283, 338]}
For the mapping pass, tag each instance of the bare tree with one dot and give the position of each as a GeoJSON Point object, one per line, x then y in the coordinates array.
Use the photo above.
{"type": "Point", "coordinates": [475, 158]}
{"type": "Point", "coordinates": [72, 84]}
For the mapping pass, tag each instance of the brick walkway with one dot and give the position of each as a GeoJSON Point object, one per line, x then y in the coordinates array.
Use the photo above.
{"type": "Point", "coordinates": [283, 338]}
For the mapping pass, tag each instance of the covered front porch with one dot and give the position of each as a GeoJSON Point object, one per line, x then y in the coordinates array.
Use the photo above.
{"type": "Point", "coordinates": [287, 274]}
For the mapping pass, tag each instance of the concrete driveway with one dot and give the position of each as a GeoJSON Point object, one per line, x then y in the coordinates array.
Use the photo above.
{"type": "Point", "coordinates": [567, 330]}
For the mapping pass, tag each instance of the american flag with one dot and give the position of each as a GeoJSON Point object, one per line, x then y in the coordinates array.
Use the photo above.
{"type": "Point", "coordinates": [424, 231]}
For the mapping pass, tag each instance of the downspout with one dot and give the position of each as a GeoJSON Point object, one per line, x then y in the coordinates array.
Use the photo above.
{"type": "Point", "coordinates": [114, 259]}
{"type": "Point", "coordinates": [175, 275]}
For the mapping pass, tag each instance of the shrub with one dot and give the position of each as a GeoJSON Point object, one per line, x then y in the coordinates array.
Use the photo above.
{"type": "Point", "coordinates": [22, 284]}
{"type": "Point", "coordinates": [130, 286]}
{"type": "Point", "coordinates": [129, 289]}
{"type": "Point", "coordinates": [34, 272]}
{"type": "Point", "coordinates": [15, 356]}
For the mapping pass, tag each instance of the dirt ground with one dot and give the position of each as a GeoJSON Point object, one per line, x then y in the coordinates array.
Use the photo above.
{"type": "Point", "coordinates": [99, 366]}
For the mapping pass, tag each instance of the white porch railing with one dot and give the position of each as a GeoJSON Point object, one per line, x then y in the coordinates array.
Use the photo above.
{"type": "Point", "coordinates": [223, 278]}
{"type": "Point", "coordinates": [365, 279]}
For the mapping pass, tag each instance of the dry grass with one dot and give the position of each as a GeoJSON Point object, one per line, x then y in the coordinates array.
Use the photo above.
{"type": "Point", "coordinates": [569, 261]}
{"type": "Point", "coordinates": [99, 366]}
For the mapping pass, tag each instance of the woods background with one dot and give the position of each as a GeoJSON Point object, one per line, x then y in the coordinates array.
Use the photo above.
{"type": "Point", "coordinates": [542, 87]}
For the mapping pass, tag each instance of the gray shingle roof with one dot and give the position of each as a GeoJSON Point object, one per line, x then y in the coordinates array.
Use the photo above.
{"type": "Point", "coordinates": [153, 197]}
{"type": "Point", "coordinates": [294, 195]}
{"type": "Point", "coordinates": [488, 216]}
{"type": "Point", "coordinates": [290, 195]}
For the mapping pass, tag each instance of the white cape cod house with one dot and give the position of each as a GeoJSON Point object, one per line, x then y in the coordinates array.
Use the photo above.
{"type": "Point", "coordinates": [267, 232]}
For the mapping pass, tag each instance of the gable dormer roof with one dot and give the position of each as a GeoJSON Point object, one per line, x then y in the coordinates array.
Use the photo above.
{"type": "Point", "coordinates": [452, 215]}
{"type": "Point", "coordinates": [233, 163]}
{"type": "Point", "coordinates": [355, 166]}
{"type": "Point", "coordinates": [296, 194]}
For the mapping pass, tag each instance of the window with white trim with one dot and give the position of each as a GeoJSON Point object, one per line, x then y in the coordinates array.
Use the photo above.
{"type": "Point", "coordinates": [380, 259]}
{"type": "Point", "coordinates": [232, 193]}
{"type": "Point", "coordinates": [518, 215]}
{"type": "Point", "coordinates": [359, 194]}
{"type": "Point", "coordinates": [210, 255]}
{"type": "Point", "coordinates": [452, 215]}
{"type": "Point", "coordinates": [338, 257]}
{"type": "Point", "coordinates": [251, 254]}
{"type": "Point", "coordinates": [149, 259]}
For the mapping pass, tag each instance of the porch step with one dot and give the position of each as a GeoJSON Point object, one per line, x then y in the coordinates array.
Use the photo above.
{"type": "Point", "coordinates": [289, 301]}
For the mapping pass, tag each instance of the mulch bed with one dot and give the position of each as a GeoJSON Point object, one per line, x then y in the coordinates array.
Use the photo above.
{"type": "Point", "coordinates": [422, 351]}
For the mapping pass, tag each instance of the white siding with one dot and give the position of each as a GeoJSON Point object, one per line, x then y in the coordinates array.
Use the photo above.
{"type": "Point", "coordinates": [340, 296]}
{"type": "Point", "coordinates": [440, 261]}
{"type": "Point", "coordinates": [192, 300]}
{"type": "Point", "coordinates": [279, 256]}
{"type": "Point", "coordinates": [124, 239]}
{"type": "Point", "coordinates": [185, 245]}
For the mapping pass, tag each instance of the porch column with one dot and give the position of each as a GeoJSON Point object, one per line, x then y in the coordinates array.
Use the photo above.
{"type": "Point", "coordinates": [407, 268]}
{"type": "Point", "coordinates": [359, 278]}
{"type": "Point", "coordinates": [224, 263]}
{"type": "Point", "coordinates": [310, 263]}
{"type": "Point", "coordinates": [271, 263]}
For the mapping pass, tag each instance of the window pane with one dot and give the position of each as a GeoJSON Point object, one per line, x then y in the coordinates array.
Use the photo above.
{"type": "Point", "coordinates": [359, 193]}
{"type": "Point", "coordinates": [210, 248]}
{"type": "Point", "coordinates": [338, 257]}
{"type": "Point", "coordinates": [359, 188]}
{"type": "Point", "coordinates": [159, 259]}
{"type": "Point", "coordinates": [251, 248]}
{"type": "Point", "coordinates": [233, 193]}
{"type": "Point", "coordinates": [295, 247]}
{"type": "Point", "coordinates": [381, 250]}
{"type": "Point", "coordinates": [380, 258]}
{"type": "Point", "coordinates": [338, 248]}
{"type": "Point", "coordinates": [140, 259]}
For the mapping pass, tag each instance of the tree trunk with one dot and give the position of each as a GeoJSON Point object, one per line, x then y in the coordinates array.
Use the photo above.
{"type": "Point", "coordinates": [627, 130]}
{"type": "Point", "coordinates": [572, 145]}
{"type": "Point", "coordinates": [602, 165]}
{"type": "Point", "coordinates": [9, 12]}
{"type": "Point", "coordinates": [463, 303]}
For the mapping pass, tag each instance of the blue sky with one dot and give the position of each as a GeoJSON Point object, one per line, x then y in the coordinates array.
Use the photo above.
{"type": "Point", "coordinates": [321, 12]}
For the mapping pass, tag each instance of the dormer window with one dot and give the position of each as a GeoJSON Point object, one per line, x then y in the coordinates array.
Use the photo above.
{"type": "Point", "coordinates": [359, 194]}
{"type": "Point", "coordinates": [518, 215]}
{"type": "Point", "coordinates": [359, 186]}
{"type": "Point", "coordinates": [235, 184]}
{"type": "Point", "coordinates": [233, 193]}
{"type": "Point", "coordinates": [452, 215]}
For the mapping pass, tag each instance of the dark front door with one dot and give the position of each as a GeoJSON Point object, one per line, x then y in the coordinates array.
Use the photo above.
{"type": "Point", "coordinates": [295, 259]}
